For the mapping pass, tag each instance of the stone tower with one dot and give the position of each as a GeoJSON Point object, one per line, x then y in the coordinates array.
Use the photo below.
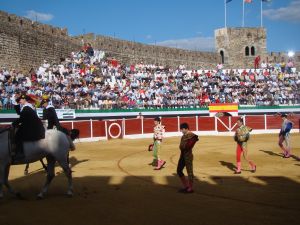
{"type": "Point", "coordinates": [238, 47]}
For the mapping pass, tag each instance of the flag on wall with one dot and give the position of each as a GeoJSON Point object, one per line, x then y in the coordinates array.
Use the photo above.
{"type": "Point", "coordinates": [248, 1]}
{"type": "Point", "coordinates": [216, 109]}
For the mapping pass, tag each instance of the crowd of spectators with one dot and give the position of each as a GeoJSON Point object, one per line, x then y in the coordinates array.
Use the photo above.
{"type": "Point", "coordinates": [90, 80]}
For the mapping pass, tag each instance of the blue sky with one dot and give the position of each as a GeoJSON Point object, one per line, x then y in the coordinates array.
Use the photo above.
{"type": "Point", "coordinates": [176, 23]}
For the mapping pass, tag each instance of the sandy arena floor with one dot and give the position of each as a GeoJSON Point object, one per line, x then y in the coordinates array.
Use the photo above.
{"type": "Point", "coordinates": [114, 185]}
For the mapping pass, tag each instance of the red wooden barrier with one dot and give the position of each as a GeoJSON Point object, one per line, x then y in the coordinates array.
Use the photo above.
{"type": "Point", "coordinates": [220, 125]}
{"type": "Point", "coordinates": [206, 123]}
{"type": "Point", "coordinates": [296, 121]}
{"type": "Point", "coordinates": [274, 122]}
{"type": "Point", "coordinates": [66, 125]}
{"type": "Point", "coordinates": [133, 126]}
{"type": "Point", "coordinates": [84, 127]}
{"type": "Point", "coordinates": [148, 126]}
{"type": "Point", "coordinates": [171, 124]}
{"type": "Point", "coordinates": [114, 129]}
{"type": "Point", "coordinates": [255, 122]}
{"type": "Point", "coordinates": [191, 122]}
{"type": "Point", "coordinates": [98, 128]}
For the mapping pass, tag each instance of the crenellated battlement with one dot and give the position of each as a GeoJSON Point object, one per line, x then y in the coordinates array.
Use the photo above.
{"type": "Point", "coordinates": [25, 44]}
{"type": "Point", "coordinates": [30, 25]}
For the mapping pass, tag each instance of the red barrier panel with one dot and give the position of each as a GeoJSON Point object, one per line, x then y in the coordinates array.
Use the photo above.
{"type": "Point", "coordinates": [171, 124]}
{"type": "Point", "coordinates": [84, 127]}
{"type": "Point", "coordinates": [114, 129]}
{"type": "Point", "coordinates": [191, 121]}
{"type": "Point", "coordinates": [66, 125]}
{"type": "Point", "coordinates": [98, 129]}
{"type": "Point", "coordinates": [148, 126]}
{"type": "Point", "coordinates": [255, 122]}
{"type": "Point", "coordinates": [133, 126]}
{"type": "Point", "coordinates": [227, 123]}
{"type": "Point", "coordinates": [296, 121]}
{"type": "Point", "coordinates": [206, 123]}
{"type": "Point", "coordinates": [224, 125]}
{"type": "Point", "coordinates": [274, 122]}
{"type": "Point", "coordinates": [233, 122]}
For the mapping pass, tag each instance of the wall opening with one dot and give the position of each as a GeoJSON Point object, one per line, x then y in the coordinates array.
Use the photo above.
{"type": "Point", "coordinates": [222, 56]}
{"type": "Point", "coordinates": [252, 51]}
{"type": "Point", "coordinates": [247, 51]}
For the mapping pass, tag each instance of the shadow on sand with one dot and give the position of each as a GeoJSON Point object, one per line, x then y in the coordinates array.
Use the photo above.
{"type": "Point", "coordinates": [229, 165]}
{"type": "Point", "coordinates": [124, 199]}
{"type": "Point", "coordinates": [72, 161]}
{"type": "Point", "coordinates": [280, 154]}
{"type": "Point", "coordinates": [271, 153]}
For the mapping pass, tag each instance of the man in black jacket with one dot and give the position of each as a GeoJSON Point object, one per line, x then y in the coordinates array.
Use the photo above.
{"type": "Point", "coordinates": [50, 115]}
{"type": "Point", "coordinates": [30, 127]}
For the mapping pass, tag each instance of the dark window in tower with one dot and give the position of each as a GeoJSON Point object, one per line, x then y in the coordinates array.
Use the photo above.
{"type": "Point", "coordinates": [222, 56]}
{"type": "Point", "coordinates": [252, 50]}
{"type": "Point", "coordinates": [247, 51]}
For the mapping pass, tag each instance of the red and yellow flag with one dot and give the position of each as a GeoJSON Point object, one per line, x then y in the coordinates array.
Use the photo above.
{"type": "Point", "coordinates": [231, 108]}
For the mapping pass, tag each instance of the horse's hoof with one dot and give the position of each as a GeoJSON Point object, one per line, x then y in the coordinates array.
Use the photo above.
{"type": "Point", "coordinates": [40, 196]}
{"type": "Point", "coordinates": [25, 172]}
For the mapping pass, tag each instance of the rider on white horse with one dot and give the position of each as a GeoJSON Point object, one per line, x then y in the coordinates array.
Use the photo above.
{"type": "Point", "coordinates": [30, 127]}
{"type": "Point", "coordinates": [54, 145]}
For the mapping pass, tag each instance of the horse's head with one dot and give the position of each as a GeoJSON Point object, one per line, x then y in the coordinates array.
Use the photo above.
{"type": "Point", "coordinates": [74, 133]}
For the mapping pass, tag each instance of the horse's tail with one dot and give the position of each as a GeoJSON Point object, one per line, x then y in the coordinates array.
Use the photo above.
{"type": "Point", "coordinates": [71, 135]}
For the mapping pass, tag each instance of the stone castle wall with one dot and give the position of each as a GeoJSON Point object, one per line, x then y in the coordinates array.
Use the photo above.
{"type": "Point", "coordinates": [25, 44]}
{"type": "Point", "coordinates": [133, 52]}
{"type": "Point", "coordinates": [234, 41]}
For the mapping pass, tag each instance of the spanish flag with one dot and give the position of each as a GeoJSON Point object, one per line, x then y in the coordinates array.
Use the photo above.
{"type": "Point", "coordinates": [223, 108]}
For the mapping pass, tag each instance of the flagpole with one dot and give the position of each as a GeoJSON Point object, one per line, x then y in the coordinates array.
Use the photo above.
{"type": "Point", "coordinates": [261, 16]}
{"type": "Point", "coordinates": [225, 12]}
{"type": "Point", "coordinates": [243, 22]}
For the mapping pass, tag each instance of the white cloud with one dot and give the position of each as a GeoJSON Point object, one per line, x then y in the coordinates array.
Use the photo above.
{"type": "Point", "coordinates": [288, 13]}
{"type": "Point", "coordinates": [196, 43]}
{"type": "Point", "coordinates": [33, 15]}
{"type": "Point", "coordinates": [149, 36]}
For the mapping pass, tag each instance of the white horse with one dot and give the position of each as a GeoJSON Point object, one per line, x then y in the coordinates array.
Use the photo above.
{"type": "Point", "coordinates": [55, 147]}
